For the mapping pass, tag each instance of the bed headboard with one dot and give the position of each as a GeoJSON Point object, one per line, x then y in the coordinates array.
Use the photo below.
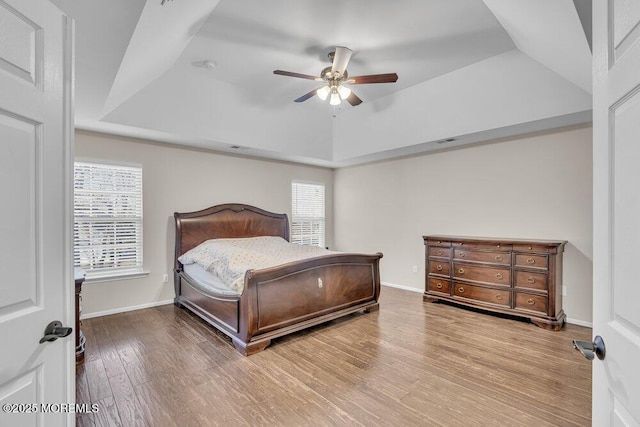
{"type": "Point", "coordinates": [226, 221]}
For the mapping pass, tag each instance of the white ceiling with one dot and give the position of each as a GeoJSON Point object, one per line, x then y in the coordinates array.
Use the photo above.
{"type": "Point", "coordinates": [472, 70]}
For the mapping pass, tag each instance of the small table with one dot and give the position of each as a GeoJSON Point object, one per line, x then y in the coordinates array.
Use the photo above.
{"type": "Point", "coordinates": [79, 275]}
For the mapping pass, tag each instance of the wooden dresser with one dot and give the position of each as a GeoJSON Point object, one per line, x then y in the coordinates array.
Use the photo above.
{"type": "Point", "coordinates": [516, 277]}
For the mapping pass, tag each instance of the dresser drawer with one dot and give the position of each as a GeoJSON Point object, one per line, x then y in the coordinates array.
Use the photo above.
{"type": "Point", "coordinates": [526, 279]}
{"type": "Point", "coordinates": [475, 273]}
{"type": "Point", "coordinates": [438, 251]}
{"type": "Point", "coordinates": [492, 296]}
{"type": "Point", "coordinates": [530, 247]}
{"type": "Point", "coordinates": [531, 261]}
{"type": "Point", "coordinates": [529, 302]}
{"type": "Point", "coordinates": [441, 286]}
{"type": "Point", "coordinates": [438, 242]}
{"type": "Point", "coordinates": [471, 246]}
{"type": "Point", "coordinates": [483, 257]}
{"type": "Point", "coordinates": [438, 267]}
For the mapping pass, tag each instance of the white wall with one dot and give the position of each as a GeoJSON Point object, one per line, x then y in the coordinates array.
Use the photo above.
{"type": "Point", "coordinates": [182, 179]}
{"type": "Point", "coordinates": [534, 187]}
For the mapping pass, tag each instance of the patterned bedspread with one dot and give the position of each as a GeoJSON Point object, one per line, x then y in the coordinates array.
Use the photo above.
{"type": "Point", "coordinates": [229, 259]}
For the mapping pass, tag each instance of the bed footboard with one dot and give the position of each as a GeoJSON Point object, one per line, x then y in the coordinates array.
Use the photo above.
{"type": "Point", "coordinates": [289, 298]}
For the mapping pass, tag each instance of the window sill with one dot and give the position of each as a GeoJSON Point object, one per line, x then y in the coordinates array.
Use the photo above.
{"type": "Point", "coordinates": [110, 277]}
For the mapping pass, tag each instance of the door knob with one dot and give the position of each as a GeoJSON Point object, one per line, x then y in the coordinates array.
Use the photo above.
{"type": "Point", "coordinates": [55, 330]}
{"type": "Point", "coordinates": [591, 349]}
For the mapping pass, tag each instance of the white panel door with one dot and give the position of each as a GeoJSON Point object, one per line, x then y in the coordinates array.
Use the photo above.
{"type": "Point", "coordinates": [616, 261]}
{"type": "Point", "coordinates": [36, 283]}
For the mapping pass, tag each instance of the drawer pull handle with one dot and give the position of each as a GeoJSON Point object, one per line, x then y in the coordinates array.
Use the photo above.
{"type": "Point", "coordinates": [439, 285]}
{"type": "Point", "coordinates": [531, 260]}
{"type": "Point", "coordinates": [439, 241]}
{"type": "Point", "coordinates": [461, 290]}
{"type": "Point", "coordinates": [461, 254]}
{"type": "Point", "coordinates": [530, 301]}
{"type": "Point", "coordinates": [499, 297]}
{"type": "Point", "coordinates": [439, 251]}
{"type": "Point", "coordinates": [531, 280]}
{"type": "Point", "coordinates": [498, 246]}
{"type": "Point", "coordinates": [499, 276]}
{"type": "Point", "coordinates": [530, 248]}
{"type": "Point", "coordinates": [439, 267]}
{"type": "Point", "coordinates": [498, 257]}
{"type": "Point", "coordinates": [461, 271]}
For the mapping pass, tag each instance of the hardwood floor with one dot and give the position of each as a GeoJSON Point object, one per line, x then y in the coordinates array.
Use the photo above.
{"type": "Point", "coordinates": [411, 363]}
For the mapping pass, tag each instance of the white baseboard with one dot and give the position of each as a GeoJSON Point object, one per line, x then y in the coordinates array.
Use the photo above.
{"type": "Point", "coordinates": [412, 289]}
{"type": "Point", "coordinates": [403, 287]}
{"type": "Point", "coordinates": [125, 309]}
{"type": "Point", "coordinates": [170, 301]}
{"type": "Point", "coordinates": [579, 322]}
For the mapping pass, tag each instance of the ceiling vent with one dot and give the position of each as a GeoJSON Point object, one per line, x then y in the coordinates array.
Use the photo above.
{"type": "Point", "coordinates": [446, 141]}
{"type": "Point", "coordinates": [207, 64]}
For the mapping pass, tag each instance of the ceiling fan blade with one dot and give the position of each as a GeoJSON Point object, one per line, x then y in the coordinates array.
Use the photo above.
{"type": "Point", "coordinates": [306, 96]}
{"type": "Point", "coordinates": [353, 99]}
{"type": "Point", "coordinates": [298, 75]}
{"type": "Point", "coordinates": [373, 78]}
{"type": "Point", "coordinates": [340, 60]}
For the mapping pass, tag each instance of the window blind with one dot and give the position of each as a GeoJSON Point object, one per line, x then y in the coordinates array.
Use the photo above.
{"type": "Point", "coordinates": [107, 228]}
{"type": "Point", "coordinates": [307, 219]}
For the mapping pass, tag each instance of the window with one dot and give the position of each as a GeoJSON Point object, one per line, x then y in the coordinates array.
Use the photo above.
{"type": "Point", "coordinates": [107, 219]}
{"type": "Point", "coordinates": [307, 219]}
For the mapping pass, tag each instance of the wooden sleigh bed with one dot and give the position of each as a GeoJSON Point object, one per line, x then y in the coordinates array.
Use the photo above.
{"type": "Point", "coordinates": [275, 301]}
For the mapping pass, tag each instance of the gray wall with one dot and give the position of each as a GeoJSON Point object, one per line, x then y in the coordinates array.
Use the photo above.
{"type": "Point", "coordinates": [182, 179]}
{"type": "Point", "coordinates": [535, 187]}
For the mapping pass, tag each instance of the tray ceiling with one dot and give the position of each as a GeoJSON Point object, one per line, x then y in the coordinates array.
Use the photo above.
{"type": "Point", "coordinates": [469, 70]}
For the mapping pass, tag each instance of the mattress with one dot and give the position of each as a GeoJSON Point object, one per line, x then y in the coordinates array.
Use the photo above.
{"type": "Point", "coordinates": [229, 259]}
{"type": "Point", "coordinates": [206, 282]}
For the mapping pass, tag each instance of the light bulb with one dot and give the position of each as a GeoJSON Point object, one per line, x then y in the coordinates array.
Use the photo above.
{"type": "Point", "coordinates": [344, 92]}
{"type": "Point", "coordinates": [323, 92]}
{"type": "Point", "coordinates": [335, 98]}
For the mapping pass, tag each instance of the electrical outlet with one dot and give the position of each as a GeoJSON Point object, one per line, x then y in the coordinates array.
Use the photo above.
{"type": "Point", "coordinates": [165, 278]}
{"type": "Point", "coordinates": [564, 291]}
{"type": "Point", "coordinates": [414, 268]}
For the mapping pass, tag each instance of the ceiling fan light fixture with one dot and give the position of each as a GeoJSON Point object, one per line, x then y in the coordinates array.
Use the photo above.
{"type": "Point", "coordinates": [344, 92]}
{"type": "Point", "coordinates": [335, 98]}
{"type": "Point", "coordinates": [323, 92]}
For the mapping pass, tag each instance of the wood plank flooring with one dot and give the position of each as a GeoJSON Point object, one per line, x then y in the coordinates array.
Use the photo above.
{"type": "Point", "coordinates": [411, 363]}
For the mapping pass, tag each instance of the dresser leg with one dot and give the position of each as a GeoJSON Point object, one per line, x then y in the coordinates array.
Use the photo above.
{"type": "Point", "coordinates": [427, 298]}
{"type": "Point", "coordinates": [251, 348]}
{"type": "Point", "coordinates": [550, 325]}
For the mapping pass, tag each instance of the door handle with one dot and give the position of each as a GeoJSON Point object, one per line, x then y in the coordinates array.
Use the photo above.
{"type": "Point", "coordinates": [591, 349]}
{"type": "Point", "coordinates": [55, 330]}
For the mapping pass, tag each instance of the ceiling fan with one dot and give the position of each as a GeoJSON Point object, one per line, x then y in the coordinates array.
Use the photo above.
{"type": "Point", "coordinates": [335, 77]}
